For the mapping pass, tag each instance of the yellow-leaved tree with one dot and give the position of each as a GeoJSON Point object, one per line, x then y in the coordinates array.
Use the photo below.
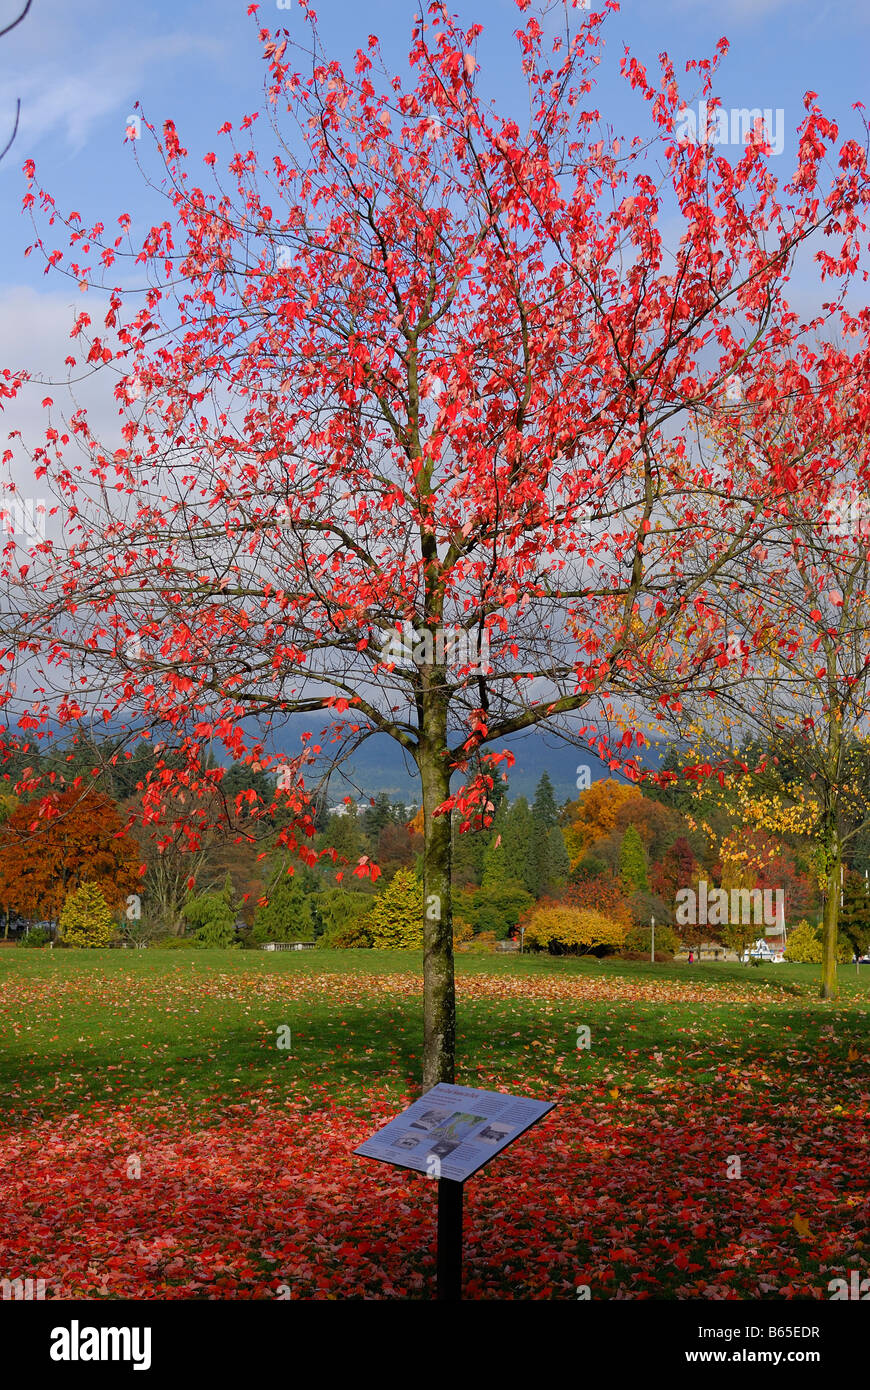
{"type": "Point", "coordinates": [593, 815]}
{"type": "Point", "coordinates": [559, 927]}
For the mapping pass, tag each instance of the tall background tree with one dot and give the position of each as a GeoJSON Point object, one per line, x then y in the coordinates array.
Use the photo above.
{"type": "Point", "coordinates": [788, 657]}
{"type": "Point", "coordinates": [407, 428]}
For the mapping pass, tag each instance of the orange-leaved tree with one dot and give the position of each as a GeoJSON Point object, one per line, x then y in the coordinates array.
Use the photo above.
{"type": "Point", "coordinates": [50, 845]}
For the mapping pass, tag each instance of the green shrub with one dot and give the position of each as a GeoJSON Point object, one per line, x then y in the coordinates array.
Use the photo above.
{"type": "Point", "coordinates": [496, 910]}
{"type": "Point", "coordinates": [352, 935]}
{"type": "Point", "coordinates": [589, 867]}
{"type": "Point", "coordinates": [175, 943]}
{"type": "Point", "coordinates": [804, 945]}
{"type": "Point", "coordinates": [37, 936]}
{"type": "Point", "coordinates": [212, 917]}
{"type": "Point", "coordinates": [638, 939]}
{"type": "Point", "coordinates": [335, 907]}
{"type": "Point", "coordinates": [216, 933]}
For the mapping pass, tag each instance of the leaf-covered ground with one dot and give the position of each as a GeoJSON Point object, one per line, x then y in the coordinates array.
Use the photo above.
{"type": "Point", "coordinates": [166, 1065]}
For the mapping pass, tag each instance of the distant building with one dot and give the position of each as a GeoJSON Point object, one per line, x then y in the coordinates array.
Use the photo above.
{"type": "Point", "coordinates": [345, 809]}
{"type": "Point", "coordinates": [359, 807]}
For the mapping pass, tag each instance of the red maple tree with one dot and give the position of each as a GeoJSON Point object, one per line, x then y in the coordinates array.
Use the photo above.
{"type": "Point", "coordinates": [408, 421]}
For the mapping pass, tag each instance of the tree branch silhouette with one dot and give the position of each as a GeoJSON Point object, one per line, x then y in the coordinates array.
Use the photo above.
{"type": "Point", "coordinates": [9, 27]}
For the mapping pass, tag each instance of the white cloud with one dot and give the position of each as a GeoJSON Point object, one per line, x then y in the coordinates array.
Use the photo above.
{"type": "Point", "coordinates": [34, 337]}
{"type": "Point", "coordinates": [66, 87]}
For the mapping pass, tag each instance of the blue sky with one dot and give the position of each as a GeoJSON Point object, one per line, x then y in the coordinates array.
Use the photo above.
{"type": "Point", "coordinates": [78, 68]}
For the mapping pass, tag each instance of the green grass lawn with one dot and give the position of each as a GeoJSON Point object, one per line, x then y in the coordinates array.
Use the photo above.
{"type": "Point", "coordinates": [82, 1026]}
{"type": "Point", "coordinates": [246, 1148]}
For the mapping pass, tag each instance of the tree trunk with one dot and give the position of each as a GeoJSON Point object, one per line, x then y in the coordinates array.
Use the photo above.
{"type": "Point", "coordinates": [439, 990]}
{"type": "Point", "coordinates": [830, 985]}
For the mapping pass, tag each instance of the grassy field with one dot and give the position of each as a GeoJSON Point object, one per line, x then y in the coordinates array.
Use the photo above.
{"type": "Point", "coordinates": [160, 1143]}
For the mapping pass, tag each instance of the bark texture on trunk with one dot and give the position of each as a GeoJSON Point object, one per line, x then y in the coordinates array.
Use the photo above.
{"type": "Point", "coordinates": [830, 985]}
{"type": "Point", "coordinates": [439, 992]}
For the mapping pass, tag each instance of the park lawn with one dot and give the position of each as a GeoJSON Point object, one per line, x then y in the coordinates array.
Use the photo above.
{"type": "Point", "coordinates": [166, 1064]}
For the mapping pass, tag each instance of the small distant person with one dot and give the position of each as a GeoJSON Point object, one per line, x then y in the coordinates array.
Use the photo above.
{"type": "Point", "coordinates": [691, 958]}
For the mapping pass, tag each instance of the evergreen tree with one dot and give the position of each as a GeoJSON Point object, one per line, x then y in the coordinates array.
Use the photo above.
{"type": "Point", "coordinates": [374, 818]}
{"type": "Point", "coordinates": [343, 834]}
{"type": "Point", "coordinates": [396, 921]}
{"type": "Point", "coordinates": [320, 811]}
{"type": "Point", "coordinates": [241, 777]}
{"type": "Point", "coordinates": [85, 919]}
{"type": "Point", "coordinates": [212, 916]}
{"type": "Point", "coordinates": [540, 876]}
{"type": "Point", "coordinates": [336, 907]}
{"type": "Point", "coordinates": [519, 847]}
{"type": "Point", "coordinates": [804, 944]}
{"type": "Point", "coordinates": [854, 923]}
{"type": "Point", "coordinates": [632, 860]}
{"type": "Point", "coordinates": [496, 871]}
{"type": "Point", "coordinates": [287, 916]}
{"type": "Point", "coordinates": [133, 770]}
{"type": "Point", "coordinates": [558, 862]}
{"type": "Point", "coordinates": [544, 807]}
{"type": "Point", "coordinates": [469, 848]}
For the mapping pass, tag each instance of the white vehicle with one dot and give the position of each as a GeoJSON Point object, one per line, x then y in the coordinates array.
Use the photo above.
{"type": "Point", "coordinates": [762, 951]}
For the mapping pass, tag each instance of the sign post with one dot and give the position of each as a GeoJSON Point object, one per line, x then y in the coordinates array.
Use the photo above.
{"type": "Point", "coordinates": [449, 1268]}
{"type": "Point", "coordinates": [449, 1134]}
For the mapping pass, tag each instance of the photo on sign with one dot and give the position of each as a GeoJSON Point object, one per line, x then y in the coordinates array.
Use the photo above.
{"type": "Point", "coordinates": [407, 1141]}
{"type": "Point", "coordinates": [457, 1126]}
{"type": "Point", "coordinates": [495, 1132]}
{"type": "Point", "coordinates": [444, 1147]}
{"type": "Point", "coordinates": [430, 1119]}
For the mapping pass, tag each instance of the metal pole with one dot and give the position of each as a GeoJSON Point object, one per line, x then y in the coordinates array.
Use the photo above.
{"type": "Point", "coordinates": [449, 1241]}
{"type": "Point", "coordinates": [652, 944]}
